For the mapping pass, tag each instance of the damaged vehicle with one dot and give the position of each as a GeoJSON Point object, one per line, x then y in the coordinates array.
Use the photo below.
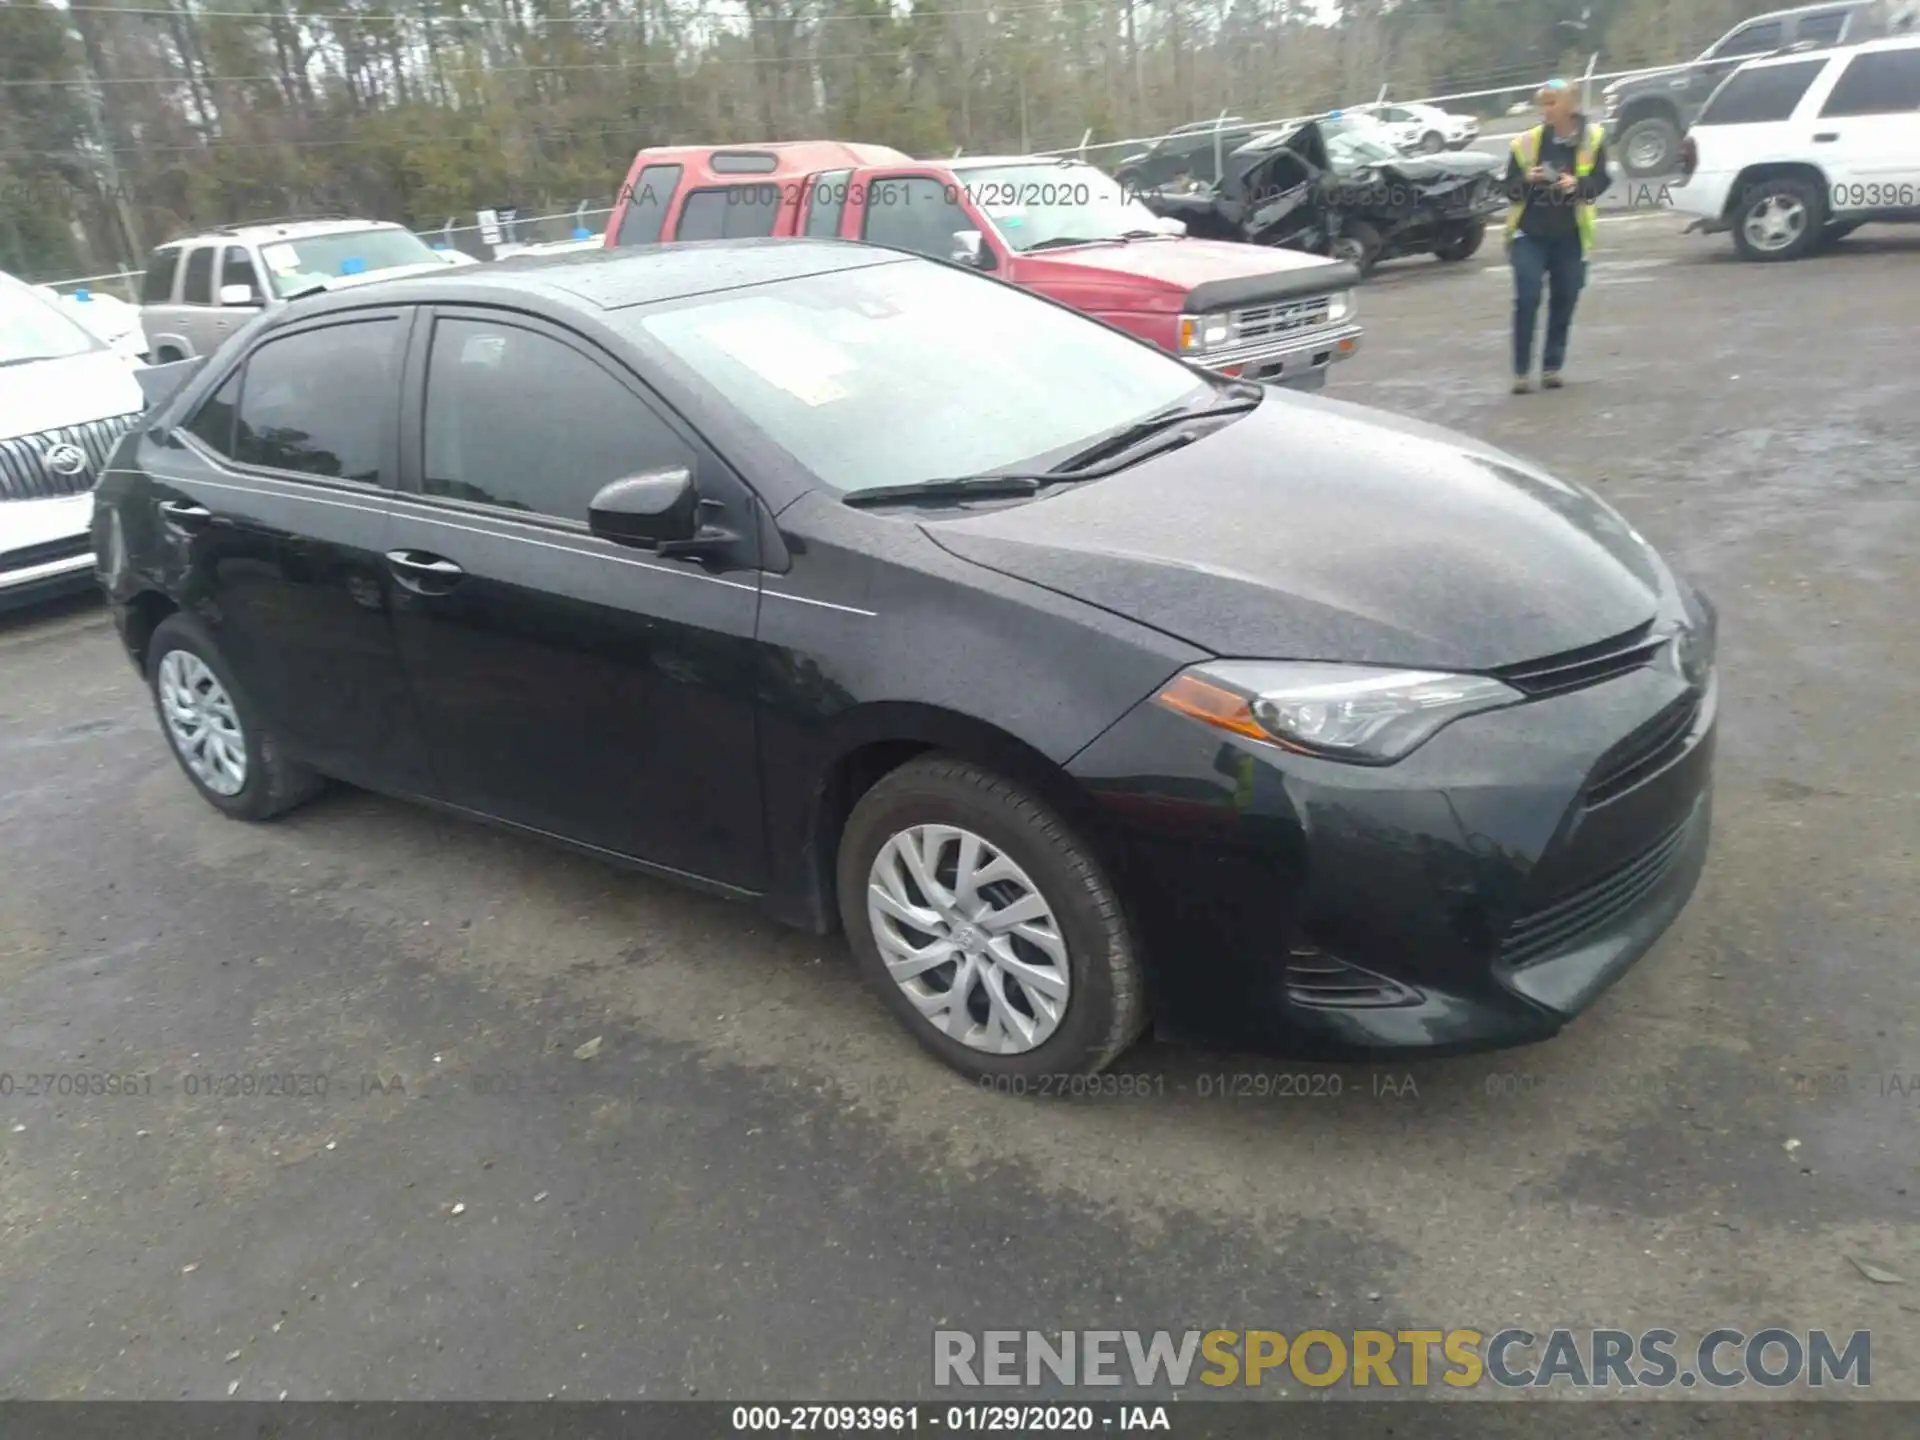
{"type": "Point", "coordinates": [1338, 186]}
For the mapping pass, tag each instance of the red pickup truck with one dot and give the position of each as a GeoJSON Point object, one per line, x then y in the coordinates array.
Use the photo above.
{"type": "Point", "coordinates": [1060, 228]}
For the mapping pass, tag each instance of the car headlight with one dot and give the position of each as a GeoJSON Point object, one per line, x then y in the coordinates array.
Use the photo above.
{"type": "Point", "coordinates": [1341, 305]}
{"type": "Point", "coordinates": [1203, 332]}
{"type": "Point", "coordinates": [1360, 714]}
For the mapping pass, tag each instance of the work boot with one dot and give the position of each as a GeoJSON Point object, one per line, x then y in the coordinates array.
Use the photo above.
{"type": "Point", "coordinates": [1550, 380]}
{"type": "Point", "coordinates": [1522, 385]}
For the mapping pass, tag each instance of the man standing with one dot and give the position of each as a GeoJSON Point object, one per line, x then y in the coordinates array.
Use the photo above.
{"type": "Point", "coordinates": [1555, 173]}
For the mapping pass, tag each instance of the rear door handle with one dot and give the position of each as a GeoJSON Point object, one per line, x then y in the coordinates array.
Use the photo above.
{"type": "Point", "coordinates": [422, 573]}
{"type": "Point", "coordinates": [185, 514]}
{"type": "Point", "coordinates": [1826, 137]}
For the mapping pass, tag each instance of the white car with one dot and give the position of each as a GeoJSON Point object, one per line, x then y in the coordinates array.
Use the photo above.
{"type": "Point", "coordinates": [108, 316]}
{"type": "Point", "coordinates": [1796, 150]}
{"type": "Point", "coordinates": [1426, 129]}
{"type": "Point", "coordinates": [66, 397]}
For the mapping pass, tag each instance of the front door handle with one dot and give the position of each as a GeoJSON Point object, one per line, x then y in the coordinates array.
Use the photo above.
{"type": "Point", "coordinates": [422, 573]}
{"type": "Point", "coordinates": [1826, 137]}
{"type": "Point", "coordinates": [184, 514]}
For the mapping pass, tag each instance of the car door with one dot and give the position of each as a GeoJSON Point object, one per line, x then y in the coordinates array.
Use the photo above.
{"type": "Point", "coordinates": [568, 683]}
{"type": "Point", "coordinates": [236, 269]}
{"type": "Point", "coordinates": [194, 316]}
{"type": "Point", "coordinates": [157, 285]}
{"type": "Point", "coordinates": [274, 498]}
{"type": "Point", "coordinates": [1871, 121]}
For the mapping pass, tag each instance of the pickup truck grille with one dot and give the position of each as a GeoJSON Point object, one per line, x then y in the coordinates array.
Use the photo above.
{"type": "Point", "coordinates": [25, 475]}
{"type": "Point", "coordinates": [1263, 322]}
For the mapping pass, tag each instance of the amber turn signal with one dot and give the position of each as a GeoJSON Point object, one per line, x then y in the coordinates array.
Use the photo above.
{"type": "Point", "coordinates": [1213, 705]}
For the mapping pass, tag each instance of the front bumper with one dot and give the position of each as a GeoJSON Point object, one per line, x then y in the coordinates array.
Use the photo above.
{"type": "Point", "coordinates": [1300, 359]}
{"type": "Point", "coordinates": [46, 549]}
{"type": "Point", "coordinates": [1480, 893]}
{"type": "Point", "coordinates": [24, 585]}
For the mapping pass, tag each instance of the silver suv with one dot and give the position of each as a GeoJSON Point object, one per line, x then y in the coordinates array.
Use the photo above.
{"type": "Point", "coordinates": [199, 290]}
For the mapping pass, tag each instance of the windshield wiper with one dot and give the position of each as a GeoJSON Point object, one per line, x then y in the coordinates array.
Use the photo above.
{"type": "Point", "coordinates": [961, 487]}
{"type": "Point", "coordinates": [1058, 241]}
{"type": "Point", "coordinates": [1123, 440]}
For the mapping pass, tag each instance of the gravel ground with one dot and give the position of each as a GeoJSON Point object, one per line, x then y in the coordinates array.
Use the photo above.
{"type": "Point", "coordinates": [758, 1187]}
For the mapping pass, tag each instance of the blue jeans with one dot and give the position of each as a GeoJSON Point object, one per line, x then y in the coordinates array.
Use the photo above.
{"type": "Point", "coordinates": [1558, 267]}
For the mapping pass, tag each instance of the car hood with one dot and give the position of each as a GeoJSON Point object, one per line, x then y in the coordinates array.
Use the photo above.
{"type": "Point", "coordinates": [1177, 263]}
{"type": "Point", "coordinates": [50, 394]}
{"type": "Point", "coordinates": [1642, 78]}
{"type": "Point", "coordinates": [1316, 529]}
{"type": "Point", "coordinates": [1446, 165]}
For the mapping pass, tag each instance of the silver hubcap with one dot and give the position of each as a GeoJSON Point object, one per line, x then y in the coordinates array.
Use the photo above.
{"type": "Point", "coordinates": [1648, 151]}
{"type": "Point", "coordinates": [969, 939]}
{"type": "Point", "coordinates": [1775, 222]}
{"type": "Point", "coordinates": [201, 722]}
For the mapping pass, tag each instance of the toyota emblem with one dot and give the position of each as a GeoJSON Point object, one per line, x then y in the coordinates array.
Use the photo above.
{"type": "Point", "coordinates": [68, 460]}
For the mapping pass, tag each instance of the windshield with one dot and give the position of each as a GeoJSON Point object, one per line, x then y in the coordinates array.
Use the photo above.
{"type": "Point", "coordinates": [32, 328]}
{"type": "Point", "coordinates": [297, 264]}
{"type": "Point", "coordinates": [1033, 205]}
{"type": "Point", "coordinates": [897, 373]}
{"type": "Point", "coordinates": [1352, 140]}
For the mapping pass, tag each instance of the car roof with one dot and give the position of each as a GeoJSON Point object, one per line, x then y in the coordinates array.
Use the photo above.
{"type": "Point", "coordinates": [983, 162]}
{"type": "Point", "coordinates": [611, 279]}
{"type": "Point", "coordinates": [283, 230]}
{"type": "Point", "coordinates": [1788, 57]}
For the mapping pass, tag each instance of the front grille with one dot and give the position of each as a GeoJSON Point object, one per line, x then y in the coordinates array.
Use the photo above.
{"type": "Point", "coordinates": [23, 468]}
{"type": "Point", "coordinates": [45, 553]}
{"type": "Point", "coordinates": [1321, 981]}
{"type": "Point", "coordinates": [1645, 753]}
{"type": "Point", "coordinates": [1594, 906]}
{"type": "Point", "coordinates": [1588, 665]}
{"type": "Point", "coordinates": [1262, 322]}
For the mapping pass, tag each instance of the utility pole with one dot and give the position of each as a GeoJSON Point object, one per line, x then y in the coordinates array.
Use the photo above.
{"type": "Point", "coordinates": [82, 31]}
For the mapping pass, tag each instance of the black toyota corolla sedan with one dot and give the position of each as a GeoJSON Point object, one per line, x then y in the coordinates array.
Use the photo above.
{"type": "Point", "coordinates": [1083, 688]}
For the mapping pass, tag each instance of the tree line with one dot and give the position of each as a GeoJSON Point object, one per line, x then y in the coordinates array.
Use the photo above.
{"type": "Point", "coordinates": [124, 122]}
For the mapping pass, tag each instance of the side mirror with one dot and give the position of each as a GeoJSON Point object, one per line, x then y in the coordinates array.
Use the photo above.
{"type": "Point", "coordinates": [970, 248]}
{"type": "Point", "coordinates": [654, 509]}
{"type": "Point", "coordinates": [238, 295]}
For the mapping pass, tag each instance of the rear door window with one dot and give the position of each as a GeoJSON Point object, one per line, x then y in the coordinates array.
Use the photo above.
{"type": "Point", "coordinates": [322, 401]}
{"type": "Point", "coordinates": [730, 212]}
{"type": "Point", "coordinates": [1766, 93]}
{"type": "Point", "coordinates": [647, 205]}
{"type": "Point", "coordinates": [199, 285]}
{"type": "Point", "coordinates": [1879, 82]}
{"type": "Point", "coordinates": [156, 286]}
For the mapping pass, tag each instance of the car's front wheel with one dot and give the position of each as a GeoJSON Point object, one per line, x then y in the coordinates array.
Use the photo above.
{"type": "Point", "coordinates": [1778, 219]}
{"type": "Point", "coordinates": [1650, 146]}
{"type": "Point", "coordinates": [1463, 243]}
{"type": "Point", "coordinates": [1432, 143]}
{"type": "Point", "coordinates": [987, 925]}
{"type": "Point", "coordinates": [214, 730]}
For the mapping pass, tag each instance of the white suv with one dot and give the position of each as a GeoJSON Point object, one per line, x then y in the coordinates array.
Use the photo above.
{"type": "Point", "coordinates": [1426, 129]}
{"type": "Point", "coordinates": [1799, 149]}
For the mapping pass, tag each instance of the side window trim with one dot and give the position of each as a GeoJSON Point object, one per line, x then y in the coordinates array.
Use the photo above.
{"type": "Point", "coordinates": [406, 318]}
{"type": "Point", "coordinates": [413, 466]}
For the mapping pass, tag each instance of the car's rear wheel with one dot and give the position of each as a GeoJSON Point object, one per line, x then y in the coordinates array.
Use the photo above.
{"type": "Point", "coordinates": [1778, 219]}
{"type": "Point", "coordinates": [214, 730]}
{"type": "Point", "coordinates": [1650, 146]}
{"type": "Point", "coordinates": [1463, 243]}
{"type": "Point", "coordinates": [987, 925]}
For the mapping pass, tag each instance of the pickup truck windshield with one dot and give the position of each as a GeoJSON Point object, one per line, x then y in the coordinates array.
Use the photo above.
{"type": "Point", "coordinates": [297, 264]}
{"type": "Point", "coordinates": [32, 328]}
{"type": "Point", "coordinates": [1036, 205]}
{"type": "Point", "coordinates": [907, 371]}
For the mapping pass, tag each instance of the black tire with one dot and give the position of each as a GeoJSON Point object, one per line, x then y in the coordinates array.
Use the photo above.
{"type": "Point", "coordinates": [274, 782]}
{"type": "Point", "coordinates": [1463, 243]}
{"type": "Point", "coordinates": [1359, 244]}
{"type": "Point", "coordinates": [1649, 146]}
{"type": "Point", "coordinates": [1796, 195]}
{"type": "Point", "coordinates": [1432, 143]}
{"type": "Point", "coordinates": [1106, 1003]}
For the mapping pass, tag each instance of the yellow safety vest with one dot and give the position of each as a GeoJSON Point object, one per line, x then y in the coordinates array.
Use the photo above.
{"type": "Point", "coordinates": [1526, 149]}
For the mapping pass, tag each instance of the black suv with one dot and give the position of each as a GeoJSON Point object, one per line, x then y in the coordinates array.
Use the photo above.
{"type": "Point", "coordinates": [1646, 114]}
